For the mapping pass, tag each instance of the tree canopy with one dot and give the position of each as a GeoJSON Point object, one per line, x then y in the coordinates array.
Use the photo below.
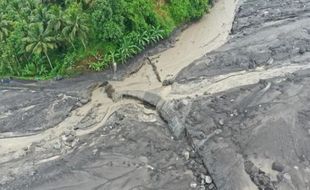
{"type": "Point", "coordinates": [45, 38]}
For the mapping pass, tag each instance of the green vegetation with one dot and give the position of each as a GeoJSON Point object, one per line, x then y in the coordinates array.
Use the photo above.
{"type": "Point", "coordinates": [46, 38]}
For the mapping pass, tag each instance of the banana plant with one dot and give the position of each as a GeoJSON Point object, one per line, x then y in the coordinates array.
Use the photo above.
{"type": "Point", "coordinates": [155, 34]}
{"type": "Point", "coordinates": [128, 49]}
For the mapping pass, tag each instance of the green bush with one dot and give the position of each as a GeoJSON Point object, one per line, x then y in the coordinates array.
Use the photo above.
{"type": "Point", "coordinates": [180, 10]}
{"type": "Point", "coordinates": [198, 8]}
{"type": "Point", "coordinates": [186, 10]}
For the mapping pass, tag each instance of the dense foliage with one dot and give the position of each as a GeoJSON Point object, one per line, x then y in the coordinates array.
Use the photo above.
{"type": "Point", "coordinates": [45, 38]}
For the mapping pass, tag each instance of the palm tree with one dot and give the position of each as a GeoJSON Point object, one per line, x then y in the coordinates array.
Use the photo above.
{"type": "Point", "coordinates": [40, 41]}
{"type": "Point", "coordinates": [31, 4]}
{"type": "Point", "coordinates": [40, 14]}
{"type": "Point", "coordinates": [75, 28]}
{"type": "Point", "coordinates": [57, 21]}
{"type": "Point", "coordinates": [4, 27]}
{"type": "Point", "coordinates": [85, 3]}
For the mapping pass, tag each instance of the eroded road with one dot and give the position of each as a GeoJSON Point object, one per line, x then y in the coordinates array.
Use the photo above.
{"type": "Point", "coordinates": [236, 118]}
